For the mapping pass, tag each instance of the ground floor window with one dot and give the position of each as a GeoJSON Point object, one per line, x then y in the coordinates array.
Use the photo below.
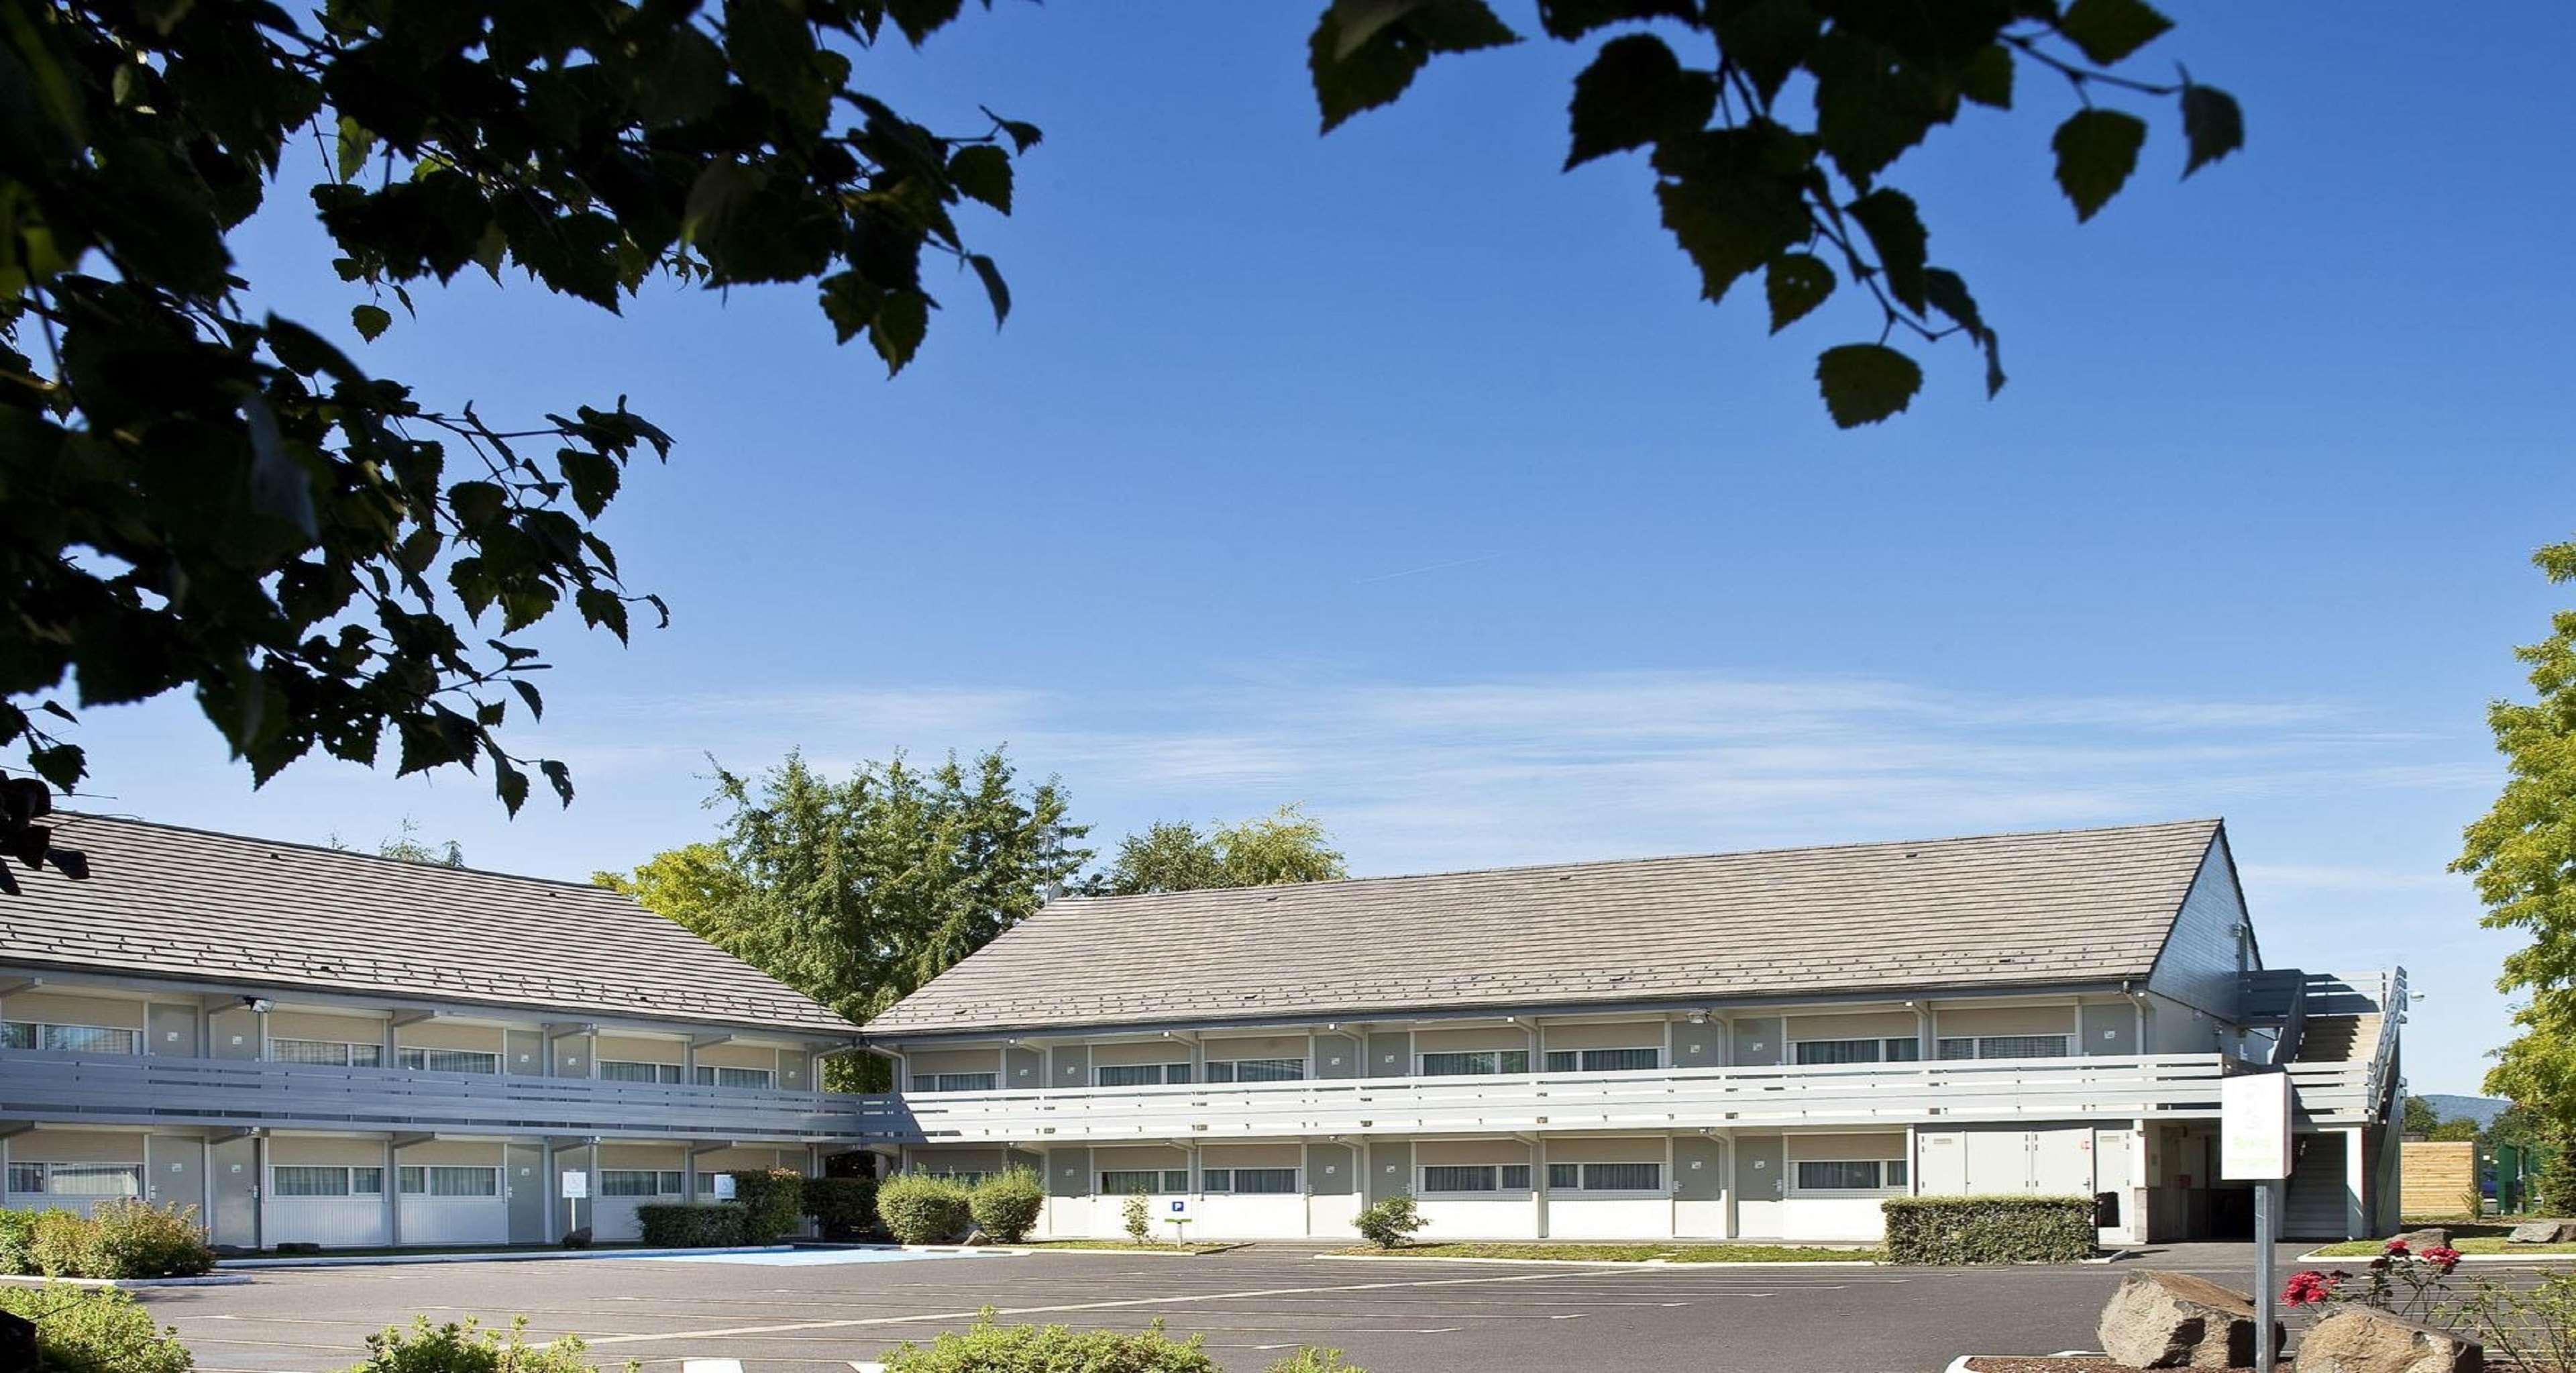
{"type": "Point", "coordinates": [639, 1182]}
{"type": "Point", "coordinates": [1119, 1182]}
{"type": "Point", "coordinates": [326, 1053]}
{"type": "Point", "coordinates": [628, 1070]}
{"type": "Point", "coordinates": [438, 1181]}
{"type": "Point", "coordinates": [1249, 1181]}
{"type": "Point", "coordinates": [1603, 1060]}
{"type": "Point", "coordinates": [1906, 1049]}
{"type": "Point", "coordinates": [69, 1039]}
{"type": "Point", "coordinates": [1476, 1063]}
{"type": "Point", "coordinates": [1850, 1175]}
{"type": "Point", "coordinates": [762, 1078]}
{"type": "Point", "coordinates": [2003, 1046]}
{"type": "Point", "coordinates": [448, 1060]}
{"type": "Point", "coordinates": [1605, 1177]}
{"type": "Point", "coordinates": [77, 1179]}
{"type": "Point", "coordinates": [1476, 1177]}
{"type": "Point", "coordinates": [1256, 1070]}
{"type": "Point", "coordinates": [1140, 1074]}
{"type": "Point", "coordinates": [325, 1180]}
{"type": "Point", "coordinates": [953, 1082]}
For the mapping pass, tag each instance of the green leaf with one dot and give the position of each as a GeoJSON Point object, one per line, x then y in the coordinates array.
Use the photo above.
{"type": "Point", "coordinates": [2212, 124]}
{"type": "Point", "coordinates": [1768, 39]}
{"type": "Point", "coordinates": [994, 289]}
{"type": "Point", "coordinates": [2096, 151]}
{"type": "Point", "coordinates": [1796, 284]}
{"type": "Point", "coordinates": [2108, 30]}
{"type": "Point", "coordinates": [1988, 79]}
{"type": "Point", "coordinates": [508, 783]}
{"type": "Point", "coordinates": [64, 765]}
{"type": "Point", "coordinates": [592, 476]}
{"type": "Point", "coordinates": [1864, 383]}
{"type": "Point", "coordinates": [901, 320]}
{"type": "Point", "coordinates": [1634, 93]}
{"type": "Point", "coordinates": [1897, 232]}
{"type": "Point", "coordinates": [721, 187]}
{"type": "Point", "coordinates": [772, 46]}
{"type": "Point", "coordinates": [983, 172]}
{"type": "Point", "coordinates": [371, 321]}
{"type": "Point", "coordinates": [601, 606]}
{"type": "Point", "coordinates": [1364, 53]}
{"type": "Point", "coordinates": [560, 776]}
{"type": "Point", "coordinates": [528, 692]}
{"type": "Point", "coordinates": [1947, 292]}
{"type": "Point", "coordinates": [1871, 105]}
{"type": "Point", "coordinates": [1735, 199]}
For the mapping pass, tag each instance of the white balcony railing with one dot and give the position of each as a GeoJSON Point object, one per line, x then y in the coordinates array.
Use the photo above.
{"type": "Point", "coordinates": [2152, 1086]}
{"type": "Point", "coordinates": [61, 1088]}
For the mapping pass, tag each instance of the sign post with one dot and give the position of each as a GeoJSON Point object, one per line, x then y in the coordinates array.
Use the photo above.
{"type": "Point", "coordinates": [576, 1185]}
{"type": "Point", "coordinates": [2254, 1146]}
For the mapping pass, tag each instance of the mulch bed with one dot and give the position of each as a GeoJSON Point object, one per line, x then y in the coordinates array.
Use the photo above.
{"type": "Point", "coordinates": [2095, 1364]}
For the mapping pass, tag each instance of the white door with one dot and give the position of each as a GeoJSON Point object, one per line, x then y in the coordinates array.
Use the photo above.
{"type": "Point", "coordinates": [1998, 1162]}
{"type": "Point", "coordinates": [2061, 1162]}
{"type": "Point", "coordinates": [1943, 1159]}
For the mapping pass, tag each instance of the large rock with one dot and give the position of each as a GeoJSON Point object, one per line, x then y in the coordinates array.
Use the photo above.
{"type": "Point", "coordinates": [2430, 1237]}
{"type": "Point", "coordinates": [2175, 1320]}
{"type": "Point", "coordinates": [2358, 1339]}
{"type": "Point", "coordinates": [2542, 1232]}
{"type": "Point", "coordinates": [17, 1341]}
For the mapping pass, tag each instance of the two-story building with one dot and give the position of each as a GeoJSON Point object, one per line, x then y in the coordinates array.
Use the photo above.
{"type": "Point", "coordinates": [1756, 1045]}
{"type": "Point", "coordinates": [320, 1046]}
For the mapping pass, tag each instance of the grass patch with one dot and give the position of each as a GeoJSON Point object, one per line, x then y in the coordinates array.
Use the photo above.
{"type": "Point", "coordinates": [1632, 1253]}
{"type": "Point", "coordinates": [1126, 1246]}
{"type": "Point", "coordinates": [2468, 1244]}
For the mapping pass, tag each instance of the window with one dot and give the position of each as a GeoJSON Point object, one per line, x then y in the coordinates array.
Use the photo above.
{"type": "Point", "coordinates": [448, 1060]}
{"type": "Point", "coordinates": [638, 1182]}
{"type": "Point", "coordinates": [295, 1180]}
{"type": "Point", "coordinates": [1564, 1177]}
{"type": "Point", "coordinates": [1828, 1051]}
{"type": "Point", "coordinates": [626, 1070]}
{"type": "Point", "coordinates": [451, 1182]}
{"type": "Point", "coordinates": [952, 1082]}
{"type": "Point", "coordinates": [367, 1182]}
{"type": "Point", "coordinates": [70, 1039]}
{"type": "Point", "coordinates": [327, 1053]}
{"type": "Point", "coordinates": [1516, 1177]}
{"type": "Point", "coordinates": [1139, 1074]}
{"type": "Point", "coordinates": [94, 1179]}
{"type": "Point", "coordinates": [2004, 1046]}
{"type": "Point", "coordinates": [1257, 1070]}
{"type": "Point", "coordinates": [1605, 1177]}
{"type": "Point", "coordinates": [26, 1177]}
{"type": "Point", "coordinates": [1117, 1182]}
{"type": "Point", "coordinates": [1458, 1177]}
{"type": "Point", "coordinates": [1850, 1175]}
{"type": "Point", "coordinates": [1603, 1060]}
{"type": "Point", "coordinates": [1476, 1063]}
{"type": "Point", "coordinates": [1249, 1181]}
{"type": "Point", "coordinates": [753, 1077]}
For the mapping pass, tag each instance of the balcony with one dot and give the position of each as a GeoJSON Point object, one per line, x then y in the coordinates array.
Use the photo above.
{"type": "Point", "coordinates": [124, 1089]}
{"type": "Point", "coordinates": [1871, 1096]}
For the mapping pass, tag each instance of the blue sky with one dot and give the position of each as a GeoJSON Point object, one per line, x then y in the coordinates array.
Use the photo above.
{"type": "Point", "coordinates": [1399, 474]}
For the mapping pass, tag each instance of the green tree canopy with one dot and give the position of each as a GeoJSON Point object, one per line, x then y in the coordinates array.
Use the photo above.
{"type": "Point", "coordinates": [409, 847]}
{"type": "Point", "coordinates": [1286, 845]}
{"type": "Point", "coordinates": [2420, 1117]}
{"type": "Point", "coordinates": [2522, 855]}
{"type": "Point", "coordinates": [857, 891]}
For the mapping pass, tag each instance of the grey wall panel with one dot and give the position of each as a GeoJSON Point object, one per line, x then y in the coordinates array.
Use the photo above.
{"type": "Point", "coordinates": [2204, 953]}
{"type": "Point", "coordinates": [172, 1031]}
{"type": "Point", "coordinates": [1338, 1055]}
{"type": "Point", "coordinates": [233, 1033]}
{"type": "Point", "coordinates": [1069, 1172]}
{"type": "Point", "coordinates": [1022, 1070]}
{"type": "Point", "coordinates": [1332, 1170]}
{"type": "Point", "coordinates": [1758, 1040]}
{"type": "Point", "coordinates": [523, 1172]}
{"type": "Point", "coordinates": [1696, 1046]}
{"type": "Point", "coordinates": [2109, 1030]}
{"type": "Point", "coordinates": [174, 1171]}
{"type": "Point", "coordinates": [1760, 1161]}
{"type": "Point", "coordinates": [523, 1053]}
{"type": "Point", "coordinates": [1390, 1168]}
{"type": "Point", "coordinates": [235, 1182]}
{"type": "Point", "coordinates": [1072, 1065]}
{"type": "Point", "coordinates": [1699, 1168]}
{"type": "Point", "coordinates": [1389, 1055]}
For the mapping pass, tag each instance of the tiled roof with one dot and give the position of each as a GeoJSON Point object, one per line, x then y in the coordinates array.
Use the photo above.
{"type": "Point", "coordinates": [2064, 906]}
{"type": "Point", "coordinates": [160, 900]}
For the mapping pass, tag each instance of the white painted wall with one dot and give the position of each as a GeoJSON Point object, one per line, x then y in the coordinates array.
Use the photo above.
{"type": "Point", "coordinates": [458, 1220]}
{"type": "Point", "coordinates": [1700, 1219]}
{"type": "Point", "coordinates": [327, 1220]}
{"type": "Point", "coordinates": [1608, 1218]}
{"type": "Point", "coordinates": [1832, 1218]}
{"type": "Point", "coordinates": [1479, 1219]}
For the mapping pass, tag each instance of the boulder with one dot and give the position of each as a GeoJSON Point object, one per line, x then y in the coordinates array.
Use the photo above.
{"type": "Point", "coordinates": [577, 1239]}
{"type": "Point", "coordinates": [17, 1341]}
{"type": "Point", "coordinates": [2359, 1339]}
{"type": "Point", "coordinates": [2430, 1237]}
{"type": "Point", "coordinates": [2542, 1232]}
{"type": "Point", "coordinates": [976, 1239]}
{"type": "Point", "coordinates": [2176, 1320]}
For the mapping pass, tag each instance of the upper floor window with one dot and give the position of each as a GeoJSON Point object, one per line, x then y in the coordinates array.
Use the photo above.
{"type": "Point", "coordinates": [2003, 1046]}
{"type": "Point", "coordinates": [1475, 1062]}
{"type": "Point", "coordinates": [77, 1179]}
{"type": "Point", "coordinates": [953, 1082]}
{"type": "Point", "coordinates": [448, 1060]}
{"type": "Point", "coordinates": [712, 1076]}
{"type": "Point", "coordinates": [69, 1039]}
{"type": "Point", "coordinates": [1140, 1074]}
{"type": "Point", "coordinates": [327, 1053]}
{"type": "Point", "coordinates": [1255, 1069]}
{"type": "Point", "coordinates": [1603, 1060]}
{"type": "Point", "coordinates": [627, 1070]}
{"type": "Point", "coordinates": [1826, 1051]}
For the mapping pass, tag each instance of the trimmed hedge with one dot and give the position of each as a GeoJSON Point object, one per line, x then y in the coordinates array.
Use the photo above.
{"type": "Point", "coordinates": [94, 1330]}
{"type": "Point", "coordinates": [990, 1348]}
{"type": "Point", "coordinates": [772, 1201]}
{"type": "Point", "coordinates": [120, 1238]}
{"type": "Point", "coordinates": [468, 1348]}
{"type": "Point", "coordinates": [2000, 1229]}
{"type": "Point", "coordinates": [923, 1208]}
{"type": "Point", "coordinates": [684, 1225]}
{"type": "Point", "coordinates": [1006, 1205]}
{"type": "Point", "coordinates": [844, 1207]}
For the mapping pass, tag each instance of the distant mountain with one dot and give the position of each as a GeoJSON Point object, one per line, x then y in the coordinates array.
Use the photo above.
{"type": "Point", "coordinates": [2482, 1109]}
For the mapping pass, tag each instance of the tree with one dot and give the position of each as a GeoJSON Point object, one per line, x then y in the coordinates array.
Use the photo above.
{"type": "Point", "coordinates": [1171, 855]}
{"type": "Point", "coordinates": [2462, 1130]}
{"type": "Point", "coordinates": [2519, 854]}
{"type": "Point", "coordinates": [2420, 1117]}
{"type": "Point", "coordinates": [407, 847]}
{"type": "Point", "coordinates": [858, 891]}
{"type": "Point", "coordinates": [204, 495]}
{"type": "Point", "coordinates": [1771, 155]}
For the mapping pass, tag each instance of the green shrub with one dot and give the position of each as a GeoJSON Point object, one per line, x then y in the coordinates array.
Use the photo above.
{"type": "Point", "coordinates": [1006, 1204]}
{"type": "Point", "coordinates": [704, 1225]}
{"type": "Point", "coordinates": [843, 1207]}
{"type": "Point", "coordinates": [1309, 1359]}
{"type": "Point", "coordinates": [17, 1242]}
{"type": "Point", "coordinates": [60, 1243]}
{"type": "Point", "coordinates": [466, 1348]}
{"type": "Point", "coordinates": [1390, 1221]}
{"type": "Point", "coordinates": [1138, 1218]}
{"type": "Point", "coordinates": [130, 1238]}
{"type": "Point", "coordinates": [2000, 1229]}
{"type": "Point", "coordinates": [772, 1201]}
{"type": "Point", "coordinates": [95, 1330]}
{"type": "Point", "coordinates": [990, 1348]}
{"type": "Point", "coordinates": [921, 1208]}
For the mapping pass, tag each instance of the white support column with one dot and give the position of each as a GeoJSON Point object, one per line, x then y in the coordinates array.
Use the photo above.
{"type": "Point", "coordinates": [2356, 1216]}
{"type": "Point", "coordinates": [393, 1191]}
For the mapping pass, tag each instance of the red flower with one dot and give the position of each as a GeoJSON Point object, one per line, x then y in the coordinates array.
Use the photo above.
{"type": "Point", "coordinates": [2442, 1256]}
{"type": "Point", "coordinates": [2308, 1287]}
{"type": "Point", "coordinates": [2397, 1249]}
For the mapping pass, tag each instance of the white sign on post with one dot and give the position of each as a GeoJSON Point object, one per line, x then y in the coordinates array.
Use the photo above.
{"type": "Point", "coordinates": [2254, 1127]}
{"type": "Point", "coordinates": [724, 1186]}
{"type": "Point", "coordinates": [576, 1184]}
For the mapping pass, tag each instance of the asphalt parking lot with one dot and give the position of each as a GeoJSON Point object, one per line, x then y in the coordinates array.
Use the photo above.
{"type": "Point", "coordinates": [1394, 1316]}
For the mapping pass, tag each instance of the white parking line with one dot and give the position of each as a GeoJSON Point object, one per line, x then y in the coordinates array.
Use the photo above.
{"type": "Point", "coordinates": [710, 1366]}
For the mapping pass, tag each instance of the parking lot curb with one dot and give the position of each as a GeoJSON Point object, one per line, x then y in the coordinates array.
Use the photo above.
{"type": "Point", "coordinates": [497, 1256]}
{"type": "Point", "coordinates": [129, 1284]}
{"type": "Point", "coordinates": [1613, 1263]}
{"type": "Point", "coordinates": [2321, 1256]}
